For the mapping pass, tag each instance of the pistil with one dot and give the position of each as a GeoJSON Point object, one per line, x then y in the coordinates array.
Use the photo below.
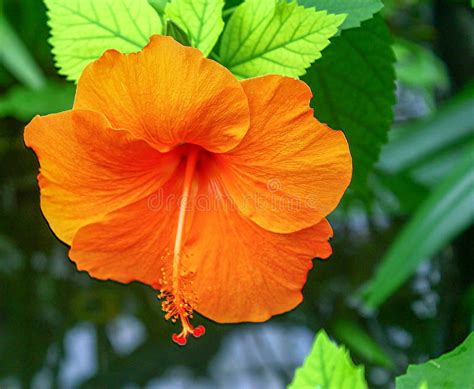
{"type": "Point", "coordinates": [175, 304]}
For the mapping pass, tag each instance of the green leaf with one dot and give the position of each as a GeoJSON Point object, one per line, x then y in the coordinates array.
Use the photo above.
{"type": "Point", "coordinates": [174, 31]}
{"type": "Point", "coordinates": [357, 340]}
{"type": "Point", "coordinates": [275, 37]}
{"type": "Point", "coordinates": [81, 30]}
{"type": "Point", "coordinates": [23, 103]}
{"type": "Point", "coordinates": [200, 19]}
{"type": "Point", "coordinates": [453, 370]}
{"type": "Point", "coordinates": [354, 90]}
{"type": "Point", "coordinates": [447, 211]}
{"type": "Point", "coordinates": [16, 58]}
{"type": "Point", "coordinates": [357, 10]}
{"type": "Point", "coordinates": [328, 366]}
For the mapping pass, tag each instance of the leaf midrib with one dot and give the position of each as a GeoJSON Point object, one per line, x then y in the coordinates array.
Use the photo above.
{"type": "Point", "coordinates": [325, 378]}
{"type": "Point", "coordinates": [100, 25]}
{"type": "Point", "coordinates": [201, 21]}
{"type": "Point", "coordinates": [259, 55]}
{"type": "Point", "coordinates": [247, 37]}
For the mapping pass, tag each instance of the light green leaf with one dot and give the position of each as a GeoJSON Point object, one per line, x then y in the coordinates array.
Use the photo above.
{"type": "Point", "coordinates": [357, 340]}
{"type": "Point", "coordinates": [23, 103]}
{"type": "Point", "coordinates": [447, 211]}
{"type": "Point", "coordinates": [453, 370]}
{"type": "Point", "coordinates": [200, 19]}
{"type": "Point", "coordinates": [357, 10]}
{"type": "Point", "coordinates": [16, 58]}
{"type": "Point", "coordinates": [275, 37]}
{"type": "Point", "coordinates": [354, 90]}
{"type": "Point", "coordinates": [328, 366]}
{"type": "Point", "coordinates": [81, 30]}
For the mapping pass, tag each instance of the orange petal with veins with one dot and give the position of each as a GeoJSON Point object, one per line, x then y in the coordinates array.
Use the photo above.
{"type": "Point", "coordinates": [290, 171]}
{"type": "Point", "coordinates": [88, 168]}
{"type": "Point", "coordinates": [243, 272]}
{"type": "Point", "coordinates": [167, 94]}
{"type": "Point", "coordinates": [231, 269]}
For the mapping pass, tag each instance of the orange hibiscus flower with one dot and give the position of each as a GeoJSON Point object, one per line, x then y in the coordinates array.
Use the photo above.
{"type": "Point", "coordinates": [171, 172]}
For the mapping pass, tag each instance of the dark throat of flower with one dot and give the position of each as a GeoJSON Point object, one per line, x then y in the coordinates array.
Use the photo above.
{"type": "Point", "coordinates": [175, 301]}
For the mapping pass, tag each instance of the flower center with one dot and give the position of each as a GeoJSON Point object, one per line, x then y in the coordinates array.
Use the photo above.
{"type": "Point", "coordinates": [176, 304]}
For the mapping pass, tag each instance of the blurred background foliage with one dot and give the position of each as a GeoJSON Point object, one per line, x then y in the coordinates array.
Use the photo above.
{"type": "Point", "coordinates": [398, 289]}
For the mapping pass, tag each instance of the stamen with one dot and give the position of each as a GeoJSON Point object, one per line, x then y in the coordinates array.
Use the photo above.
{"type": "Point", "coordinates": [176, 302]}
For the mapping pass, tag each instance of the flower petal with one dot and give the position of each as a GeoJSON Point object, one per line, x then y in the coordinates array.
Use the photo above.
{"type": "Point", "coordinates": [235, 269]}
{"type": "Point", "coordinates": [242, 272]}
{"type": "Point", "coordinates": [289, 171]}
{"type": "Point", "coordinates": [167, 94]}
{"type": "Point", "coordinates": [133, 243]}
{"type": "Point", "coordinates": [88, 169]}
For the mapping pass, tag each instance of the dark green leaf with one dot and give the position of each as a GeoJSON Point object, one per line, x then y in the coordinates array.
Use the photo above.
{"type": "Point", "coordinates": [173, 30]}
{"type": "Point", "coordinates": [354, 90]}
